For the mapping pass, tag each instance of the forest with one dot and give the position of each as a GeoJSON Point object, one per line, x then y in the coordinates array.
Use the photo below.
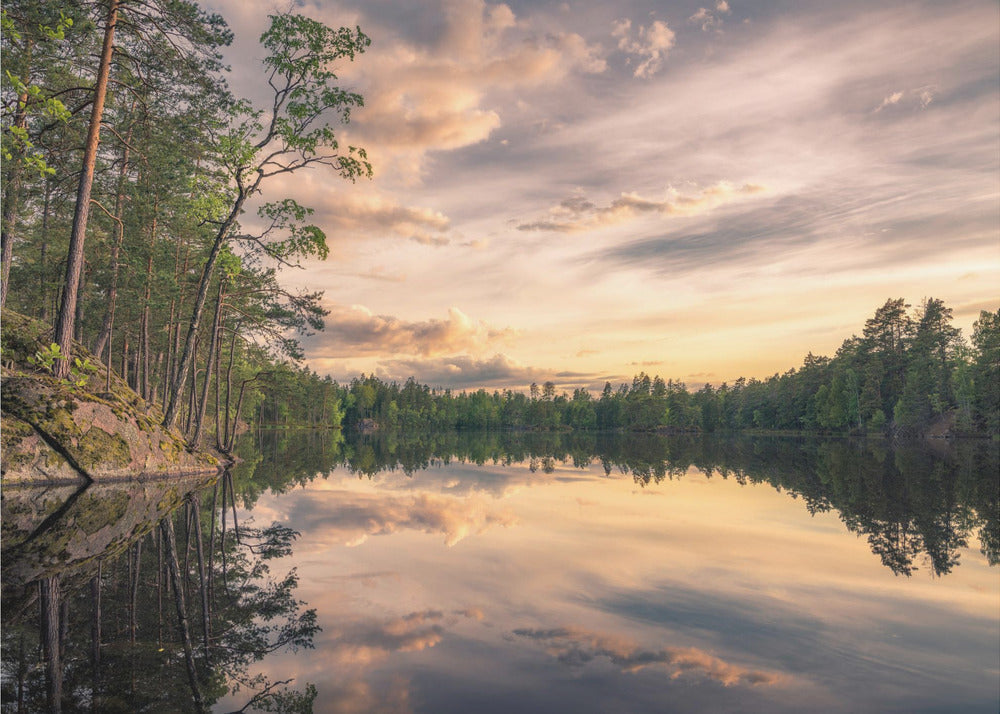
{"type": "Point", "coordinates": [910, 372]}
{"type": "Point", "coordinates": [144, 255]}
{"type": "Point", "coordinates": [129, 171]}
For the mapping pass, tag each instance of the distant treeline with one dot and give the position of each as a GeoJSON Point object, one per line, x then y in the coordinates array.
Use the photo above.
{"type": "Point", "coordinates": [911, 371]}
{"type": "Point", "coordinates": [919, 503]}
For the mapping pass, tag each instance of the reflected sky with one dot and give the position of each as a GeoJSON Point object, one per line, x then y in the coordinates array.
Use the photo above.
{"type": "Point", "coordinates": [499, 588]}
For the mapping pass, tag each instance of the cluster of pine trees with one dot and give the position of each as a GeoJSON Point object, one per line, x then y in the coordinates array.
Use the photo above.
{"type": "Point", "coordinates": [908, 371]}
{"type": "Point", "coordinates": [128, 165]}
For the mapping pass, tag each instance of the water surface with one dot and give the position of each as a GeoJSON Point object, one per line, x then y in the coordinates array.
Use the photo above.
{"type": "Point", "coordinates": [577, 573]}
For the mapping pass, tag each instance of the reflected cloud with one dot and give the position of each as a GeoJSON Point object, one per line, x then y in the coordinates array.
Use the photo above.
{"type": "Point", "coordinates": [366, 641]}
{"type": "Point", "coordinates": [357, 696]}
{"type": "Point", "coordinates": [349, 518]}
{"type": "Point", "coordinates": [576, 647]}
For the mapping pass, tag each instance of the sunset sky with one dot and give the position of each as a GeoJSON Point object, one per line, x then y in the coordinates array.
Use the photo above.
{"type": "Point", "coordinates": [579, 191]}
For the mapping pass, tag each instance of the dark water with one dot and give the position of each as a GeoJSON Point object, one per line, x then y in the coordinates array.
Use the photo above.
{"type": "Point", "coordinates": [515, 573]}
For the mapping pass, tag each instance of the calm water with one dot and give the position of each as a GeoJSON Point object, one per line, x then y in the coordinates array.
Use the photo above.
{"type": "Point", "coordinates": [528, 573]}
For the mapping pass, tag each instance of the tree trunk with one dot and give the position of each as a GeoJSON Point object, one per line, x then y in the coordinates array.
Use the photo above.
{"type": "Point", "coordinates": [199, 305]}
{"type": "Point", "coordinates": [124, 369]}
{"type": "Point", "coordinates": [134, 595]}
{"type": "Point", "coordinates": [209, 364]}
{"type": "Point", "coordinates": [95, 637]}
{"type": "Point", "coordinates": [229, 384]}
{"type": "Point", "coordinates": [206, 623]}
{"type": "Point", "coordinates": [144, 326]}
{"type": "Point", "coordinates": [43, 298]}
{"type": "Point", "coordinates": [49, 600]}
{"type": "Point", "coordinates": [167, 529]}
{"type": "Point", "coordinates": [11, 196]}
{"type": "Point", "coordinates": [74, 259]}
{"type": "Point", "coordinates": [116, 246]}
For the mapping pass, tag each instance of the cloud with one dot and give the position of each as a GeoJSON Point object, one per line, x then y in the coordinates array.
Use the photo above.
{"type": "Point", "coordinates": [422, 97]}
{"type": "Point", "coordinates": [348, 518]}
{"type": "Point", "coordinates": [889, 101]}
{"type": "Point", "coordinates": [576, 647]}
{"type": "Point", "coordinates": [709, 19]}
{"type": "Point", "coordinates": [466, 372]}
{"type": "Point", "coordinates": [356, 331]}
{"type": "Point", "coordinates": [577, 214]}
{"type": "Point", "coordinates": [365, 641]}
{"type": "Point", "coordinates": [650, 42]}
{"type": "Point", "coordinates": [922, 96]}
{"type": "Point", "coordinates": [371, 214]}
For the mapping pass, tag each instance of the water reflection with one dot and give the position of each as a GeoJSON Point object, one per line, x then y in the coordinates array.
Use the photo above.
{"type": "Point", "coordinates": [913, 501]}
{"type": "Point", "coordinates": [135, 596]}
{"type": "Point", "coordinates": [500, 572]}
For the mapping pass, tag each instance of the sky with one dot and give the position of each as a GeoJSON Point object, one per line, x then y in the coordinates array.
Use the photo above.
{"type": "Point", "coordinates": [580, 191]}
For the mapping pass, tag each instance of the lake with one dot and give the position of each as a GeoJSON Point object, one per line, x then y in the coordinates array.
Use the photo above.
{"type": "Point", "coordinates": [516, 572]}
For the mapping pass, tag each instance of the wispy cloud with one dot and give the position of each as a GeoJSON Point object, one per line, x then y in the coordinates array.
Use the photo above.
{"type": "Point", "coordinates": [576, 646]}
{"type": "Point", "coordinates": [577, 213]}
{"type": "Point", "coordinates": [889, 101]}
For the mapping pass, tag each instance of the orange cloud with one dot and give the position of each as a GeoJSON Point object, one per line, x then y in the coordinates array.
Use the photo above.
{"type": "Point", "coordinates": [353, 331]}
{"type": "Point", "coordinates": [424, 98]}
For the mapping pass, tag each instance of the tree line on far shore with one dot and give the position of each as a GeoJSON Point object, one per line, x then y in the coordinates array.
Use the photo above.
{"type": "Point", "coordinates": [911, 371]}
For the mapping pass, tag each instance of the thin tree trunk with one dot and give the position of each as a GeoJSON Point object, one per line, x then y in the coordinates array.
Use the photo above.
{"type": "Point", "coordinates": [116, 247]}
{"type": "Point", "coordinates": [43, 299]}
{"type": "Point", "coordinates": [167, 528]}
{"type": "Point", "coordinates": [74, 260]}
{"type": "Point", "coordinates": [232, 501]}
{"type": "Point", "coordinates": [199, 304]}
{"type": "Point", "coordinates": [95, 637]}
{"type": "Point", "coordinates": [211, 547]}
{"type": "Point", "coordinates": [124, 369]}
{"type": "Point", "coordinates": [78, 319]}
{"type": "Point", "coordinates": [239, 408]}
{"type": "Point", "coordinates": [209, 363]}
{"type": "Point", "coordinates": [159, 589]}
{"type": "Point", "coordinates": [169, 364]}
{"type": "Point", "coordinates": [229, 382]}
{"type": "Point", "coordinates": [222, 537]}
{"type": "Point", "coordinates": [192, 393]}
{"type": "Point", "coordinates": [218, 395]}
{"type": "Point", "coordinates": [144, 325]}
{"type": "Point", "coordinates": [134, 595]}
{"type": "Point", "coordinates": [12, 191]}
{"type": "Point", "coordinates": [206, 624]}
{"type": "Point", "coordinates": [49, 600]}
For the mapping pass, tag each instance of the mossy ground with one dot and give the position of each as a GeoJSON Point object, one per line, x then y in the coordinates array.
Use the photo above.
{"type": "Point", "coordinates": [94, 423]}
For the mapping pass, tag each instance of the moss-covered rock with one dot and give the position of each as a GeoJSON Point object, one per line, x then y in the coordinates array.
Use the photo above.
{"type": "Point", "coordinates": [56, 431]}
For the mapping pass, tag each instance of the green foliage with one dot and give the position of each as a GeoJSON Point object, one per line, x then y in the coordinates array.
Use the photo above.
{"type": "Point", "coordinates": [32, 100]}
{"type": "Point", "coordinates": [46, 357]}
{"type": "Point", "coordinates": [80, 370]}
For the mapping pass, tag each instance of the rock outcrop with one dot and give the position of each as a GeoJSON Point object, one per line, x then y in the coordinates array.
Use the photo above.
{"type": "Point", "coordinates": [57, 431]}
